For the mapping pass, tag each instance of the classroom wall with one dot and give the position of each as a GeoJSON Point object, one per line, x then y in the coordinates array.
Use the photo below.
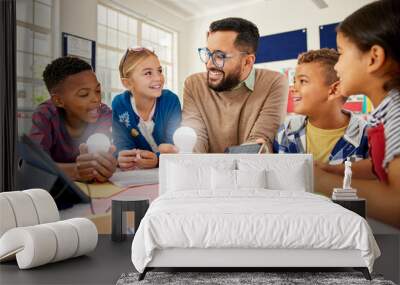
{"type": "Point", "coordinates": [152, 13]}
{"type": "Point", "coordinates": [271, 17]}
{"type": "Point", "coordinates": [80, 18]}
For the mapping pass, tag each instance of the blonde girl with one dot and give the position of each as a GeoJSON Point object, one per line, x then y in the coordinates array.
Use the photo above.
{"type": "Point", "coordinates": [145, 116]}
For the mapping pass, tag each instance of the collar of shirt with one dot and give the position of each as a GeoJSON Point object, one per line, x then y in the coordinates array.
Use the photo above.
{"type": "Point", "coordinates": [380, 110]}
{"type": "Point", "coordinates": [353, 134]}
{"type": "Point", "coordinates": [249, 81]}
{"type": "Point", "coordinates": [137, 113]}
{"type": "Point", "coordinates": [146, 127]}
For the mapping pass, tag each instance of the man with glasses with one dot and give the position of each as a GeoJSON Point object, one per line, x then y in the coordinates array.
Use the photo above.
{"type": "Point", "coordinates": [233, 103]}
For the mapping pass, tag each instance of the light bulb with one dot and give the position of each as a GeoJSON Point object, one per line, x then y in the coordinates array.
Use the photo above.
{"type": "Point", "coordinates": [185, 138]}
{"type": "Point", "coordinates": [98, 142]}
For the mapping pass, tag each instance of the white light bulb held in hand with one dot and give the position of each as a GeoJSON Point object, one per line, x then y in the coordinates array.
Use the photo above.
{"type": "Point", "coordinates": [185, 138]}
{"type": "Point", "coordinates": [98, 142]}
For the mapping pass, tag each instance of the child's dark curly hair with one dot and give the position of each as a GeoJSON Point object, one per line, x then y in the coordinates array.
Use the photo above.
{"type": "Point", "coordinates": [59, 69]}
{"type": "Point", "coordinates": [326, 57]}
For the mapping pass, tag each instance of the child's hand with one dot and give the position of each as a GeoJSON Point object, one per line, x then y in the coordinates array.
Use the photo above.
{"type": "Point", "coordinates": [85, 164]}
{"type": "Point", "coordinates": [335, 169]}
{"type": "Point", "coordinates": [99, 166]}
{"type": "Point", "coordinates": [167, 148]}
{"type": "Point", "coordinates": [105, 164]}
{"type": "Point", "coordinates": [127, 159]}
{"type": "Point", "coordinates": [146, 159]}
{"type": "Point", "coordinates": [322, 183]}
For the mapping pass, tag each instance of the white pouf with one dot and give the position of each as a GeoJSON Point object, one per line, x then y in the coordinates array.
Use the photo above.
{"type": "Point", "coordinates": [23, 208]}
{"type": "Point", "coordinates": [7, 218]}
{"type": "Point", "coordinates": [46, 208]}
{"type": "Point", "coordinates": [31, 232]}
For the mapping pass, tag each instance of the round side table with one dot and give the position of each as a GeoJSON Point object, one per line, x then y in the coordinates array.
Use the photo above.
{"type": "Point", "coordinates": [126, 204]}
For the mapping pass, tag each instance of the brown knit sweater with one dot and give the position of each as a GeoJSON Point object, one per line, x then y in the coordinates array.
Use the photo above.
{"type": "Point", "coordinates": [223, 119]}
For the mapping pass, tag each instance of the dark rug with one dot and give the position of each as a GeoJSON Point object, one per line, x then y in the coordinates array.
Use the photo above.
{"type": "Point", "coordinates": [228, 278]}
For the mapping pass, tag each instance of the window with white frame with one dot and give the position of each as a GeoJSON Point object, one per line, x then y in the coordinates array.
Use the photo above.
{"type": "Point", "coordinates": [161, 42]}
{"type": "Point", "coordinates": [116, 31]}
{"type": "Point", "coordinates": [34, 52]}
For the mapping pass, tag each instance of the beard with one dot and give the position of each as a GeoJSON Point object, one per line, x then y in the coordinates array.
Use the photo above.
{"type": "Point", "coordinates": [226, 82]}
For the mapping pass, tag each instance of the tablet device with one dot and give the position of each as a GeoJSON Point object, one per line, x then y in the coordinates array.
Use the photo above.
{"type": "Point", "coordinates": [36, 169]}
{"type": "Point", "coordinates": [246, 148]}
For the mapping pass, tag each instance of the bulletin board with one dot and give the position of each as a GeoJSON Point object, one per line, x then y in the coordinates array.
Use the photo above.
{"type": "Point", "coordinates": [327, 36]}
{"type": "Point", "coordinates": [282, 46]}
{"type": "Point", "coordinates": [80, 47]}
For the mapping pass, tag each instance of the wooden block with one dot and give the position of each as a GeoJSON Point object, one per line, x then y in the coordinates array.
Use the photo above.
{"type": "Point", "coordinates": [103, 222]}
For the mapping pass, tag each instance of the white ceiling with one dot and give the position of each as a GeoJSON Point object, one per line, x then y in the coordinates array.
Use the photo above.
{"type": "Point", "coordinates": [192, 9]}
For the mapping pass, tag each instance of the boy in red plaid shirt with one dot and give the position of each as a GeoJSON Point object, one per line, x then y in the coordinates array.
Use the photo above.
{"type": "Point", "coordinates": [62, 124]}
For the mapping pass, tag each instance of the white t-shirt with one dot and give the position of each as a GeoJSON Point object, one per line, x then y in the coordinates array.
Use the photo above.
{"type": "Point", "coordinates": [146, 127]}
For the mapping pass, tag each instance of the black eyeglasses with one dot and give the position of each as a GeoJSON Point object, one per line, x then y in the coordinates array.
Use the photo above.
{"type": "Point", "coordinates": [218, 57]}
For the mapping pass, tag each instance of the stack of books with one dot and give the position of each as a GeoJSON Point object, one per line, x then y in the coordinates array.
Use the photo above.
{"type": "Point", "coordinates": [344, 194]}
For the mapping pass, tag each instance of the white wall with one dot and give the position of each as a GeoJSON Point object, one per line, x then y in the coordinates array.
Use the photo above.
{"type": "Point", "coordinates": [152, 13]}
{"type": "Point", "coordinates": [79, 18]}
{"type": "Point", "coordinates": [271, 17]}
